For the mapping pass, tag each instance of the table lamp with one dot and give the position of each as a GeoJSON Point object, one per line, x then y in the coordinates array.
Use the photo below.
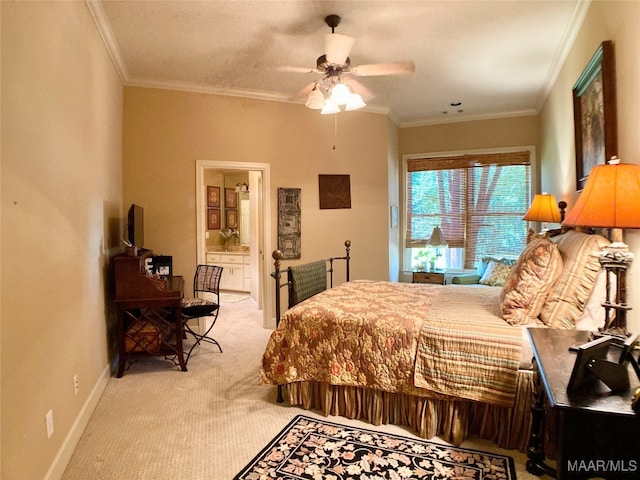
{"type": "Point", "coordinates": [543, 209]}
{"type": "Point", "coordinates": [610, 199]}
{"type": "Point", "coordinates": [437, 241]}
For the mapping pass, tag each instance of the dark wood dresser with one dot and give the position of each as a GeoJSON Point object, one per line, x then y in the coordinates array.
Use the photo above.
{"type": "Point", "coordinates": [597, 432]}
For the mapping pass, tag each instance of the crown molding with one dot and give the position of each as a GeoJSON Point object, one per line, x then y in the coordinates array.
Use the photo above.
{"type": "Point", "coordinates": [470, 118]}
{"type": "Point", "coordinates": [108, 38]}
{"type": "Point", "coordinates": [228, 92]}
{"type": "Point", "coordinates": [568, 38]}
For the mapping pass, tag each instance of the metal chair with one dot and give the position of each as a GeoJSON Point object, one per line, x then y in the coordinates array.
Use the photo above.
{"type": "Point", "coordinates": [206, 283]}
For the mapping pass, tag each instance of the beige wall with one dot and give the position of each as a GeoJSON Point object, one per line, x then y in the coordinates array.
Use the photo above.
{"type": "Point", "coordinates": [605, 20]}
{"type": "Point", "coordinates": [61, 203]}
{"type": "Point", "coordinates": [166, 132]}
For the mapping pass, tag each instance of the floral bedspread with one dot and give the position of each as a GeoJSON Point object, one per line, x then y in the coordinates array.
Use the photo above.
{"type": "Point", "coordinates": [378, 335]}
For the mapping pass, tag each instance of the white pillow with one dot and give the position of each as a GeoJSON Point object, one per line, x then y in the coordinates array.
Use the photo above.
{"type": "Point", "coordinates": [495, 274]}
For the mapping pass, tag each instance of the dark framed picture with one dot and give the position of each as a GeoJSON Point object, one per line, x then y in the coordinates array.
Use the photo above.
{"type": "Point", "coordinates": [594, 113]}
{"type": "Point", "coordinates": [231, 218]}
{"type": "Point", "coordinates": [213, 219]}
{"type": "Point", "coordinates": [213, 197]}
{"type": "Point", "coordinates": [230, 198]}
{"type": "Point", "coordinates": [335, 191]}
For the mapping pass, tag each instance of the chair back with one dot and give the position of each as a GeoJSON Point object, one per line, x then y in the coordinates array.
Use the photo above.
{"type": "Point", "coordinates": [207, 279]}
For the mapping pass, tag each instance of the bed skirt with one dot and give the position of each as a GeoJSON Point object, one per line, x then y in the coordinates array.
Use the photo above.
{"type": "Point", "coordinates": [453, 420]}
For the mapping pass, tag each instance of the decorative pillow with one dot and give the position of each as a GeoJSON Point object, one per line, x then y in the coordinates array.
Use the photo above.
{"type": "Point", "coordinates": [530, 281]}
{"type": "Point", "coordinates": [465, 279]}
{"type": "Point", "coordinates": [581, 266]}
{"type": "Point", "coordinates": [496, 273]}
{"type": "Point", "coordinates": [197, 307]}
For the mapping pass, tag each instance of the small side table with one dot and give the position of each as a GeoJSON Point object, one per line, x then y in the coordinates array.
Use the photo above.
{"type": "Point", "coordinates": [598, 434]}
{"type": "Point", "coordinates": [428, 277]}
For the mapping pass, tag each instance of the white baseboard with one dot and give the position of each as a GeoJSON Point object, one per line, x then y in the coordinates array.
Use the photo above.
{"type": "Point", "coordinates": [68, 446]}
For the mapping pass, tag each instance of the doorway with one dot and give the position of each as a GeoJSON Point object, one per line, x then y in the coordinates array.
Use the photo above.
{"type": "Point", "coordinates": [260, 239]}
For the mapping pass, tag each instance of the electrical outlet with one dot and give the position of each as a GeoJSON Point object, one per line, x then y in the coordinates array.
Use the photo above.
{"type": "Point", "coordinates": [49, 421]}
{"type": "Point", "coordinates": [76, 384]}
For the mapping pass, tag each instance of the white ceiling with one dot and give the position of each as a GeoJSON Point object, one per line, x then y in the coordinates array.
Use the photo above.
{"type": "Point", "coordinates": [498, 58]}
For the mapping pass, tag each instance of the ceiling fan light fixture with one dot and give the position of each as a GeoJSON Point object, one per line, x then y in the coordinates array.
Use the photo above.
{"type": "Point", "coordinates": [337, 47]}
{"type": "Point", "coordinates": [355, 102]}
{"type": "Point", "coordinates": [329, 107]}
{"type": "Point", "coordinates": [340, 94]}
{"type": "Point", "coordinates": [315, 100]}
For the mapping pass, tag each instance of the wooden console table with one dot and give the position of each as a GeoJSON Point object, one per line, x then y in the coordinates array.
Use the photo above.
{"type": "Point", "coordinates": [149, 319]}
{"type": "Point", "coordinates": [598, 434]}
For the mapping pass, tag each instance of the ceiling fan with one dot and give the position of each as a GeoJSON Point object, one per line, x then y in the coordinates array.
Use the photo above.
{"type": "Point", "coordinates": [338, 87]}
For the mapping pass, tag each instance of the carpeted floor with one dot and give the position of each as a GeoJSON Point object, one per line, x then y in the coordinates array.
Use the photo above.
{"type": "Point", "coordinates": [314, 449]}
{"type": "Point", "coordinates": [226, 297]}
{"type": "Point", "coordinates": [159, 423]}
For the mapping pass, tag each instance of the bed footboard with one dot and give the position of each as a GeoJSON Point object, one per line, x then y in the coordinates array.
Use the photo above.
{"type": "Point", "coordinates": [304, 281]}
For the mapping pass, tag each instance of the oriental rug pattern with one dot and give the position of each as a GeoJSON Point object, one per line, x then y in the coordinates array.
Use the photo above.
{"type": "Point", "coordinates": [315, 449]}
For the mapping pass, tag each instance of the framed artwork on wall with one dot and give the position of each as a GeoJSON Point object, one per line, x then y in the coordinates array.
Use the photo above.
{"type": "Point", "coordinates": [230, 218]}
{"type": "Point", "coordinates": [213, 219]}
{"type": "Point", "coordinates": [230, 198]}
{"type": "Point", "coordinates": [335, 191]}
{"type": "Point", "coordinates": [594, 113]}
{"type": "Point", "coordinates": [213, 197]}
{"type": "Point", "coordinates": [289, 222]}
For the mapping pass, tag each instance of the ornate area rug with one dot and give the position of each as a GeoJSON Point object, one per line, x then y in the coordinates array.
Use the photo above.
{"type": "Point", "coordinates": [314, 449]}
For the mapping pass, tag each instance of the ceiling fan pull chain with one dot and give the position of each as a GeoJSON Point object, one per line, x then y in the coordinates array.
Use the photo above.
{"type": "Point", "coordinates": [335, 130]}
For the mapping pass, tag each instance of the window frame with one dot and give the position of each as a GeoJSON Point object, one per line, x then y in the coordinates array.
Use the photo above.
{"type": "Point", "coordinates": [534, 186]}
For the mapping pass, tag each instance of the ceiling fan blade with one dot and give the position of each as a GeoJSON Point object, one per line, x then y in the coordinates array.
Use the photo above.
{"type": "Point", "coordinates": [337, 47]}
{"type": "Point", "coordinates": [398, 68]}
{"type": "Point", "coordinates": [290, 69]}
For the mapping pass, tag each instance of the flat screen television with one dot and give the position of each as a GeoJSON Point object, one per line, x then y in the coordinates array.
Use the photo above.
{"type": "Point", "coordinates": [135, 225]}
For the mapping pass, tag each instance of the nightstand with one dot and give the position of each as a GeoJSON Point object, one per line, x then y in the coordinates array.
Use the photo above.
{"type": "Point", "coordinates": [428, 277]}
{"type": "Point", "coordinates": [596, 431]}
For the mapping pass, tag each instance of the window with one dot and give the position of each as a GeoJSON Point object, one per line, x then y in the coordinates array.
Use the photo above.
{"type": "Point", "coordinates": [477, 200]}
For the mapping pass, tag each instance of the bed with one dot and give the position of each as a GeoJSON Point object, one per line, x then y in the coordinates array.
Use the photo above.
{"type": "Point", "coordinates": [444, 360]}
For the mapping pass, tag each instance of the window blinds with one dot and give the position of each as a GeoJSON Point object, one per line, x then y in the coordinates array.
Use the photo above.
{"type": "Point", "coordinates": [477, 200]}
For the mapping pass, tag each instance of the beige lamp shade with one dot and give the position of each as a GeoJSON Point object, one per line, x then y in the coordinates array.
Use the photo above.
{"type": "Point", "coordinates": [437, 238]}
{"type": "Point", "coordinates": [543, 209]}
{"type": "Point", "coordinates": [610, 198]}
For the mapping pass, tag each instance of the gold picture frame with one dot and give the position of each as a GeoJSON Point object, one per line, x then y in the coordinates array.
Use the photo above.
{"type": "Point", "coordinates": [594, 113]}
